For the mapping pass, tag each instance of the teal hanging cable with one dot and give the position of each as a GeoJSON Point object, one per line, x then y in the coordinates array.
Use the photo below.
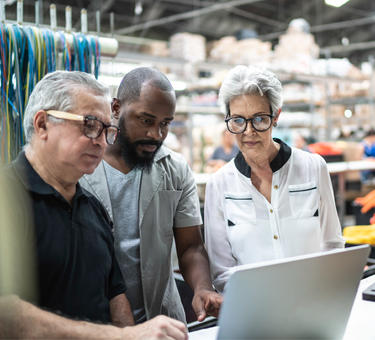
{"type": "Point", "coordinates": [26, 55]}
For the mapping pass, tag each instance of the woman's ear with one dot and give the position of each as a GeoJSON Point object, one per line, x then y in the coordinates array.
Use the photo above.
{"type": "Point", "coordinates": [115, 107]}
{"type": "Point", "coordinates": [275, 119]}
{"type": "Point", "coordinates": [40, 124]}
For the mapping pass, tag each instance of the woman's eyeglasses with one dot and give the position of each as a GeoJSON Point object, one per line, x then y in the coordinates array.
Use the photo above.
{"type": "Point", "coordinates": [92, 126]}
{"type": "Point", "coordinates": [238, 124]}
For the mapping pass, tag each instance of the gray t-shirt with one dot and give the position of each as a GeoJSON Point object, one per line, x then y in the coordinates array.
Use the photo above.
{"type": "Point", "coordinates": [124, 192]}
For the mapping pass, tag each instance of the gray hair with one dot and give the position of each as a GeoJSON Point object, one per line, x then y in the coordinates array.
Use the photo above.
{"type": "Point", "coordinates": [55, 92]}
{"type": "Point", "coordinates": [250, 80]}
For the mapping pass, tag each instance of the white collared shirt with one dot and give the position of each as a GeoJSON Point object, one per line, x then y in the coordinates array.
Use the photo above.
{"type": "Point", "coordinates": [242, 227]}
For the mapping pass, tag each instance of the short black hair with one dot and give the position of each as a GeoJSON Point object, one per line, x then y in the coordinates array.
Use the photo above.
{"type": "Point", "coordinates": [370, 132]}
{"type": "Point", "coordinates": [131, 85]}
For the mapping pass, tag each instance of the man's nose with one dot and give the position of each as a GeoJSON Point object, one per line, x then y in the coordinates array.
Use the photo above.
{"type": "Point", "coordinates": [154, 132]}
{"type": "Point", "coordinates": [101, 139]}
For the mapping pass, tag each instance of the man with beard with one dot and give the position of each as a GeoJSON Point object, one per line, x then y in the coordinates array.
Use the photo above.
{"type": "Point", "coordinates": [150, 194]}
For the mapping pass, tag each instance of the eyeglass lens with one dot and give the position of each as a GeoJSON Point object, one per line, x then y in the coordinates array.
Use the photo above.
{"type": "Point", "coordinates": [94, 127]}
{"type": "Point", "coordinates": [259, 123]}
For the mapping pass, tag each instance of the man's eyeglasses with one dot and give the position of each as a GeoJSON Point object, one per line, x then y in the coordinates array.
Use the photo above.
{"type": "Point", "coordinates": [238, 124]}
{"type": "Point", "coordinates": [92, 126]}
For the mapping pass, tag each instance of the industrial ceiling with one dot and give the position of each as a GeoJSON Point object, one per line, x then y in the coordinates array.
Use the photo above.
{"type": "Point", "coordinates": [347, 31]}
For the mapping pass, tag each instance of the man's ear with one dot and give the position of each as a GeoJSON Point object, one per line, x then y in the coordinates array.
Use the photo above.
{"type": "Point", "coordinates": [115, 107]}
{"type": "Point", "coordinates": [40, 124]}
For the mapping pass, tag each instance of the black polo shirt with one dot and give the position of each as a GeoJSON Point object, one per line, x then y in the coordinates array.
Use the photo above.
{"type": "Point", "coordinates": [77, 271]}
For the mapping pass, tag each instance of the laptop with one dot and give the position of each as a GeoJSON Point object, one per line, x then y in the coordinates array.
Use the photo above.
{"type": "Point", "coordinates": [304, 297]}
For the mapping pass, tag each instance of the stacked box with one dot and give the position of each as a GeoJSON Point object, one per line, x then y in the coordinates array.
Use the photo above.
{"type": "Point", "coordinates": [156, 48]}
{"type": "Point", "coordinates": [295, 51]}
{"type": "Point", "coordinates": [296, 43]}
{"type": "Point", "coordinates": [246, 51]}
{"type": "Point", "coordinates": [190, 47]}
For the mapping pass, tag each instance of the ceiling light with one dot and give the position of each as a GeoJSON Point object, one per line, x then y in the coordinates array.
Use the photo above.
{"type": "Point", "coordinates": [335, 3]}
{"type": "Point", "coordinates": [345, 41]}
{"type": "Point", "coordinates": [348, 113]}
{"type": "Point", "coordinates": [138, 9]}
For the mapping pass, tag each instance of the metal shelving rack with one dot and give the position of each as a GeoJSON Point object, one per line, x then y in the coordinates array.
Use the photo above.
{"type": "Point", "coordinates": [309, 80]}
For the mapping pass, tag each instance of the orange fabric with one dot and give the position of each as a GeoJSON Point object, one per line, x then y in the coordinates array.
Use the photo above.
{"type": "Point", "coordinates": [325, 149]}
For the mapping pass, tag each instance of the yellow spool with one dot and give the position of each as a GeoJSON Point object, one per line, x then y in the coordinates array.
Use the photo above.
{"type": "Point", "coordinates": [360, 234]}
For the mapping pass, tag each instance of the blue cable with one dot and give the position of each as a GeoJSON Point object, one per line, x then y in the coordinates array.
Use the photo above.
{"type": "Point", "coordinates": [26, 55]}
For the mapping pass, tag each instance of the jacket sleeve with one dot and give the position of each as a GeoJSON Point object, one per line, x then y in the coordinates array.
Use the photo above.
{"type": "Point", "coordinates": [216, 237]}
{"type": "Point", "coordinates": [188, 209]}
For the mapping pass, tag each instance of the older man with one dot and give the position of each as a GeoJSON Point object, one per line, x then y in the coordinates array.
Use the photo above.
{"type": "Point", "coordinates": [67, 124]}
{"type": "Point", "coordinates": [150, 193]}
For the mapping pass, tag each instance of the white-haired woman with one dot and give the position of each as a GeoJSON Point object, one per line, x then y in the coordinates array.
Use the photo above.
{"type": "Point", "coordinates": [271, 201]}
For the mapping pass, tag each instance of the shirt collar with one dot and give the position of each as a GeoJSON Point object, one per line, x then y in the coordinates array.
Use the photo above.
{"type": "Point", "coordinates": [32, 181]}
{"type": "Point", "coordinates": [277, 163]}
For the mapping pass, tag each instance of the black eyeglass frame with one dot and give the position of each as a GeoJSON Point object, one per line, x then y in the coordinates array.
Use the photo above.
{"type": "Point", "coordinates": [85, 119]}
{"type": "Point", "coordinates": [247, 120]}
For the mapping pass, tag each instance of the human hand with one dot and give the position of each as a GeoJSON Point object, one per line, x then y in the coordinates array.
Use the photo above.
{"type": "Point", "coordinates": [158, 328]}
{"type": "Point", "coordinates": [366, 201]}
{"type": "Point", "coordinates": [206, 302]}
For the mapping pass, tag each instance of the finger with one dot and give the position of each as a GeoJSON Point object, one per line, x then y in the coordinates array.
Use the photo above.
{"type": "Point", "coordinates": [213, 308]}
{"type": "Point", "coordinates": [213, 312]}
{"type": "Point", "coordinates": [179, 325]}
{"type": "Point", "coordinates": [201, 316]}
{"type": "Point", "coordinates": [214, 301]}
{"type": "Point", "coordinates": [198, 306]}
{"type": "Point", "coordinates": [173, 338]}
{"type": "Point", "coordinates": [176, 331]}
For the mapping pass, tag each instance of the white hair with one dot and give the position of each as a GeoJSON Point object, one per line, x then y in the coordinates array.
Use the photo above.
{"type": "Point", "coordinates": [56, 92]}
{"type": "Point", "coordinates": [250, 80]}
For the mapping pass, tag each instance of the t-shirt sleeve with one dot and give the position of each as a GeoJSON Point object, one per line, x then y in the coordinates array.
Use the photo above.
{"type": "Point", "coordinates": [116, 282]}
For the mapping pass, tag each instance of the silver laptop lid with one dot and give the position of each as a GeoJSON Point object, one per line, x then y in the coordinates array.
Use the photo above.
{"type": "Point", "coordinates": [304, 297]}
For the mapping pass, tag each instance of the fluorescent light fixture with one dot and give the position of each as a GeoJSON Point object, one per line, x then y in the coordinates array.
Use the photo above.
{"type": "Point", "coordinates": [335, 3]}
{"type": "Point", "coordinates": [348, 113]}
{"type": "Point", "coordinates": [345, 41]}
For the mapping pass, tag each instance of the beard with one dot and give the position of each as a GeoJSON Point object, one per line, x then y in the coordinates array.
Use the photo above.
{"type": "Point", "coordinates": [133, 158]}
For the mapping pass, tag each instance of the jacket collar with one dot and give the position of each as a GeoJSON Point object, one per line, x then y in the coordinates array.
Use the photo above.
{"type": "Point", "coordinates": [162, 153]}
{"type": "Point", "coordinates": [96, 184]}
{"type": "Point", "coordinates": [277, 163]}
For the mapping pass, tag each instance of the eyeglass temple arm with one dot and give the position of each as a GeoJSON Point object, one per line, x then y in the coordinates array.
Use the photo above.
{"type": "Point", "coordinates": [65, 115]}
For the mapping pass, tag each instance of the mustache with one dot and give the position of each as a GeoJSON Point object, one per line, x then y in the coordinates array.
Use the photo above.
{"type": "Point", "coordinates": [148, 142]}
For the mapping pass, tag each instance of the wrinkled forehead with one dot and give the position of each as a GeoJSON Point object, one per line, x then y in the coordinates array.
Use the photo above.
{"type": "Point", "coordinates": [250, 104]}
{"type": "Point", "coordinates": [89, 102]}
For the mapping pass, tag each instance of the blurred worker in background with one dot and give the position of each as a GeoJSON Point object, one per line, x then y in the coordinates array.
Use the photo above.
{"type": "Point", "coordinates": [300, 142]}
{"type": "Point", "coordinates": [223, 153]}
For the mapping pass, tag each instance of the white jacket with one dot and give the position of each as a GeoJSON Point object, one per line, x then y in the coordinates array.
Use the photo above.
{"type": "Point", "coordinates": [242, 227]}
